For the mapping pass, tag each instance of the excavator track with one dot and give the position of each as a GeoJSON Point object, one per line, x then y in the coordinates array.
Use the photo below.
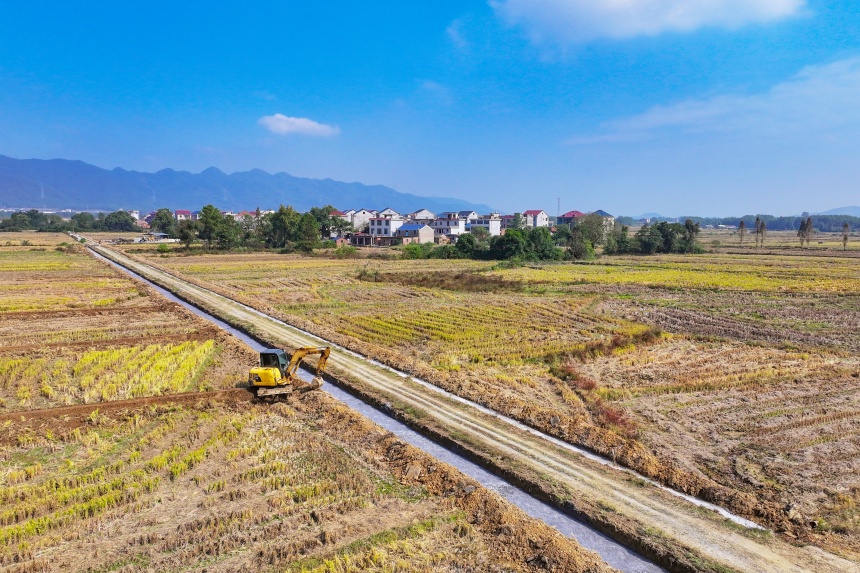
{"type": "Point", "coordinates": [70, 417]}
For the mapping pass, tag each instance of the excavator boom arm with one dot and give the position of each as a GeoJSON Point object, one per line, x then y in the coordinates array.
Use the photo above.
{"type": "Point", "coordinates": [301, 353]}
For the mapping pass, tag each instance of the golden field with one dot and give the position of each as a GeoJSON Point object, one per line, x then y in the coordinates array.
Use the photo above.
{"type": "Point", "coordinates": [736, 372]}
{"type": "Point", "coordinates": [226, 485]}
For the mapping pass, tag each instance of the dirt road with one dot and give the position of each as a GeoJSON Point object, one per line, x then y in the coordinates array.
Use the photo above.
{"type": "Point", "coordinates": [697, 535]}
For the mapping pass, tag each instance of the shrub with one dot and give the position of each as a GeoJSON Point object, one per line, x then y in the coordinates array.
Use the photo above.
{"type": "Point", "coordinates": [346, 252]}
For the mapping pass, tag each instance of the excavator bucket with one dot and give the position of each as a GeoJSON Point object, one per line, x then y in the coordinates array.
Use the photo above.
{"type": "Point", "coordinates": [315, 384]}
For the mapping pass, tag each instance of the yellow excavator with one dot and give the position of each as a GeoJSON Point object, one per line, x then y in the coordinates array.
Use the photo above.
{"type": "Point", "coordinates": [276, 375]}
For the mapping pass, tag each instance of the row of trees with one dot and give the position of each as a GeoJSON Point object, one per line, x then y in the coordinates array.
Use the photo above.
{"type": "Point", "coordinates": [527, 244]}
{"type": "Point", "coordinates": [286, 228]}
{"type": "Point", "coordinates": [33, 219]}
{"type": "Point", "coordinates": [575, 242]}
{"type": "Point", "coordinates": [283, 229]}
{"type": "Point", "coordinates": [822, 223]}
{"type": "Point", "coordinates": [806, 230]}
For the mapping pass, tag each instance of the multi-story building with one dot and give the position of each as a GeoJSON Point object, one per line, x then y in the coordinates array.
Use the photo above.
{"type": "Point", "coordinates": [385, 226]}
{"type": "Point", "coordinates": [536, 218]}
{"type": "Point", "coordinates": [361, 218]}
{"type": "Point", "coordinates": [449, 224]}
{"type": "Point", "coordinates": [422, 216]}
{"type": "Point", "coordinates": [570, 218]}
{"type": "Point", "coordinates": [492, 223]}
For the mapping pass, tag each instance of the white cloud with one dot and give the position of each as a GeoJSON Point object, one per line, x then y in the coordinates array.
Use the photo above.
{"type": "Point", "coordinates": [438, 92]}
{"type": "Point", "coordinates": [573, 21]}
{"type": "Point", "coordinates": [284, 125]}
{"type": "Point", "coordinates": [455, 34]}
{"type": "Point", "coordinates": [817, 99]}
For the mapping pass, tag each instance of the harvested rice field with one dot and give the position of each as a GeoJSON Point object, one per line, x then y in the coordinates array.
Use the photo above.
{"type": "Point", "coordinates": [719, 373]}
{"type": "Point", "coordinates": [98, 472]}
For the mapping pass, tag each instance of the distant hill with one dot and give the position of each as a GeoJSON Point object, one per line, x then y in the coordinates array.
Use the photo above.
{"type": "Point", "coordinates": [65, 184]}
{"type": "Point", "coordinates": [651, 216]}
{"type": "Point", "coordinates": [852, 211]}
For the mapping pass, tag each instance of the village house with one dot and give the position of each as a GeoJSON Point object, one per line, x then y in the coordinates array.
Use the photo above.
{"type": "Point", "coordinates": [449, 224]}
{"type": "Point", "coordinates": [388, 212]}
{"type": "Point", "coordinates": [535, 218]}
{"type": "Point", "coordinates": [182, 215]}
{"type": "Point", "coordinates": [608, 220]}
{"type": "Point", "coordinates": [360, 240]}
{"type": "Point", "coordinates": [422, 216]}
{"type": "Point", "coordinates": [361, 218]}
{"type": "Point", "coordinates": [569, 218]}
{"type": "Point", "coordinates": [492, 223]}
{"type": "Point", "coordinates": [415, 233]}
{"type": "Point", "coordinates": [385, 226]}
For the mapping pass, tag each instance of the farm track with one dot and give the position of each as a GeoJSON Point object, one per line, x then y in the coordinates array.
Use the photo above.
{"type": "Point", "coordinates": [681, 525]}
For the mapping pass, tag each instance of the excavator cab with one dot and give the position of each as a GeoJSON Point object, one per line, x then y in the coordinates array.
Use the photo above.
{"type": "Point", "coordinates": [275, 358]}
{"type": "Point", "coordinates": [277, 375]}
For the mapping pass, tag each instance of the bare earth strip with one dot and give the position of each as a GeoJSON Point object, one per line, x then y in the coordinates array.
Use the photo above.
{"type": "Point", "coordinates": [660, 514]}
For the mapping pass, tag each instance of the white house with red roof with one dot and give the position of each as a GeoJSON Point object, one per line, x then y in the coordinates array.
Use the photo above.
{"type": "Point", "coordinates": [536, 218]}
{"type": "Point", "coordinates": [182, 215]}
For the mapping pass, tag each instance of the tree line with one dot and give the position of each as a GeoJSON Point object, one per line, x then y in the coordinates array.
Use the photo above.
{"type": "Point", "coordinates": [822, 223]}
{"type": "Point", "coordinates": [118, 221]}
{"type": "Point", "coordinates": [285, 229]}
{"type": "Point", "coordinates": [569, 242]}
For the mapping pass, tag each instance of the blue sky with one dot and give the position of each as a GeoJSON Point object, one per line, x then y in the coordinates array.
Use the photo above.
{"type": "Point", "coordinates": [676, 106]}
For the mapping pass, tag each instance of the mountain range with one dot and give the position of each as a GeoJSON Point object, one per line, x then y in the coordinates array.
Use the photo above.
{"type": "Point", "coordinates": [852, 211]}
{"type": "Point", "coordinates": [66, 184]}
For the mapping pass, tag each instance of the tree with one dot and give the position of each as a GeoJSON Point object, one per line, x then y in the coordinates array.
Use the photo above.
{"type": "Point", "coordinates": [762, 232]}
{"type": "Point", "coordinates": [846, 230]}
{"type": "Point", "coordinates": [810, 230]}
{"type": "Point", "coordinates": [119, 221]}
{"type": "Point", "coordinates": [467, 245]}
{"type": "Point", "coordinates": [511, 244]}
{"type": "Point", "coordinates": [690, 233]}
{"type": "Point", "coordinates": [163, 222]}
{"type": "Point", "coordinates": [481, 234]}
{"type": "Point", "coordinates": [83, 221]}
{"type": "Point", "coordinates": [540, 245]}
{"type": "Point", "coordinates": [210, 219]}
{"type": "Point", "coordinates": [742, 230]}
{"type": "Point", "coordinates": [593, 228]}
{"type": "Point", "coordinates": [758, 223]}
{"type": "Point", "coordinates": [562, 235]}
{"type": "Point", "coordinates": [227, 233]}
{"type": "Point", "coordinates": [308, 232]}
{"type": "Point", "coordinates": [578, 247]}
{"type": "Point", "coordinates": [186, 231]}
{"type": "Point", "coordinates": [617, 241]}
{"type": "Point", "coordinates": [648, 239]}
{"type": "Point", "coordinates": [324, 219]}
{"type": "Point", "coordinates": [517, 222]}
{"type": "Point", "coordinates": [284, 227]}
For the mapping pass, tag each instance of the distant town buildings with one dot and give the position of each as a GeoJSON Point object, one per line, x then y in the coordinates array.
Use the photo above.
{"type": "Point", "coordinates": [371, 227]}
